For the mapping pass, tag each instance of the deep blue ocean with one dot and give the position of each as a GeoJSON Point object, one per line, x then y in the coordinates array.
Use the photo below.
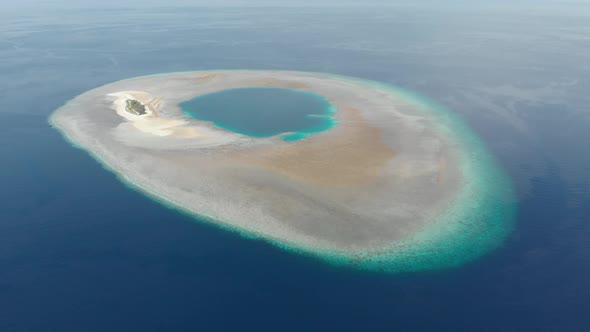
{"type": "Point", "coordinates": [79, 251]}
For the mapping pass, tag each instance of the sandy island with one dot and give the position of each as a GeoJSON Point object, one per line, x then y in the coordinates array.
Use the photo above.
{"type": "Point", "coordinates": [386, 178]}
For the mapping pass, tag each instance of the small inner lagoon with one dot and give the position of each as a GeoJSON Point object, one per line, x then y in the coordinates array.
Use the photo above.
{"type": "Point", "coordinates": [264, 112]}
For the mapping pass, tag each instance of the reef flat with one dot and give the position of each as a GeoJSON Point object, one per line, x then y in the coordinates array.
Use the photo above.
{"type": "Point", "coordinates": [399, 184]}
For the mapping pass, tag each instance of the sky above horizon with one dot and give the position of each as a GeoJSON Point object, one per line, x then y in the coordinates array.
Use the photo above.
{"type": "Point", "coordinates": [158, 3]}
{"type": "Point", "coordinates": [578, 8]}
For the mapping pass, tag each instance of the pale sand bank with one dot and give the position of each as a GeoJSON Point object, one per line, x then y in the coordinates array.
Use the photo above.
{"type": "Point", "coordinates": [152, 122]}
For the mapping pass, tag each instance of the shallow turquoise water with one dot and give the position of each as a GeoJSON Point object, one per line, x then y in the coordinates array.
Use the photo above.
{"type": "Point", "coordinates": [264, 112]}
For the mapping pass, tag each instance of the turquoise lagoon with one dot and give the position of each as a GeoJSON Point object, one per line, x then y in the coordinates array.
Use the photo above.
{"type": "Point", "coordinates": [264, 112]}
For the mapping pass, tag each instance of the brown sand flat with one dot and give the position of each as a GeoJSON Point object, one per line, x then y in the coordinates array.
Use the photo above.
{"type": "Point", "coordinates": [280, 83]}
{"type": "Point", "coordinates": [207, 78]}
{"type": "Point", "coordinates": [352, 154]}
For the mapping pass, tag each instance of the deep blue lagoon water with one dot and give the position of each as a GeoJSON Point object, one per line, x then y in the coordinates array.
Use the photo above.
{"type": "Point", "coordinates": [79, 251]}
{"type": "Point", "coordinates": [264, 112]}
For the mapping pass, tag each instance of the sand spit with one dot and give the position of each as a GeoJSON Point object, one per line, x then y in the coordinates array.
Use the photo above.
{"type": "Point", "coordinates": [395, 186]}
{"type": "Point", "coordinates": [151, 122]}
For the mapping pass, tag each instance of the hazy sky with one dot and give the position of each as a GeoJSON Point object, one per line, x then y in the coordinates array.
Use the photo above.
{"type": "Point", "coordinates": [159, 3]}
{"type": "Point", "coordinates": [579, 8]}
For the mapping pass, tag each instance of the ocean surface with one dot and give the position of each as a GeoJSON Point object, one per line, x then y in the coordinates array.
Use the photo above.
{"type": "Point", "coordinates": [79, 251]}
{"type": "Point", "coordinates": [264, 112]}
